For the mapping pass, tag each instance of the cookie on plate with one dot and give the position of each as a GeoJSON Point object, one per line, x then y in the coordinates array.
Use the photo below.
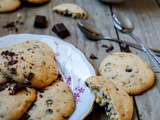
{"type": "Point", "coordinates": [70, 9]}
{"type": "Point", "coordinates": [35, 2]}
{"type": "Point", "coordinates": [31, 62]}
{"type": "Point", "coordinates": [12, 107]}
{"type": "Point", "coordinates": [128, 71]}
{"type": "Point", "coordinates": [9, 5]}
{"type": "Point", "coordinates": [116, 101]}
{"type": "Point", "coordinates": [55, 102]}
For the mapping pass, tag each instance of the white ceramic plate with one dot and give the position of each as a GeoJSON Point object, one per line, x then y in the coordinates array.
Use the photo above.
{"type": "Point", "coordinates": [74, 67]}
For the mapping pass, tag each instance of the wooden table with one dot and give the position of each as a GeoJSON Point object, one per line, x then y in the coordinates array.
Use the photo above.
{"type": "Point", "coordinates": [144, 13]}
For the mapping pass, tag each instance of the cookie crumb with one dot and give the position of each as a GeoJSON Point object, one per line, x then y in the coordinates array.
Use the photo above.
{"type": "Point", "coordinates": [124, 47]}
{"type": "Point", "coordinates": [93, 57]}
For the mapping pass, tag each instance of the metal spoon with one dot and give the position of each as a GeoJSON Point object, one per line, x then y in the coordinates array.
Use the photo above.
{"type": "Point", "coordinates": [124, 25]}
{"type": "Point", "coordinates": [92, 33]}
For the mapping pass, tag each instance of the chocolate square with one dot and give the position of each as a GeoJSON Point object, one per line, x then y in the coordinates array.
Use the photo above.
{"type": "Point", "coordinates": [61, 30]}
{"type": "Point", "coordinates": [40, 22]}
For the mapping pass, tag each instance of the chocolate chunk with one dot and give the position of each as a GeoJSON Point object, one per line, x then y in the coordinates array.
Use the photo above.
{"type": "Point", "coordinates": [40, 22]}
{"type": "Point", "coordinates": [128, 70]}
{"type": "Point", "coordinates": [40, 95]}
{"type": "Point", "coordinates": [49, 111]}
{"type": "Point", "coordinates": [8, 53]}
{"type": "Point", "coordinates": [61, 30]}
{"type": "Point", "coordinates": [12, 62]}
{"type": "Point", "coordinates": [49, 102]}
{"type": "Point", "coordinates": [28, 78]}
{"type": "Point", "coordinates": [15, 87]}
{"type": "Point", "coordinates": [124, 47]}
{"type": "Point", "coordinates": [93, 57]}
{"type": "Point", "coordinates": [59, 77]}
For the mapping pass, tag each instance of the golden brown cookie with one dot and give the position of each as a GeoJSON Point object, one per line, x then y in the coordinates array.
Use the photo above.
{"type": "Point", "coordinates": [55, 102]}
{"type": "Point", "coordinates": [118, 104]}
{"type": "Point", "coordinates": [29, 62]}
{"type": "Point", "coordinates": [70, 9]}
{"type": "Point", "coordinates": [38, 2]}
{"type": "Point", "coordinates": [9, 5]}
{"type": "Point", "coordinates": [12, 107]}
{"type": "Point", "coordinates": [128, 71]}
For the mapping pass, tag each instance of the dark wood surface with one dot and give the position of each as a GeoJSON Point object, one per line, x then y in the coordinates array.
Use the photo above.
{"type": "Point", "coordinates": [144, 13]}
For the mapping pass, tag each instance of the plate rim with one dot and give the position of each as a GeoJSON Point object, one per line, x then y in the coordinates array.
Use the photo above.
{"type": "Point", "coordinates": [91, 69]}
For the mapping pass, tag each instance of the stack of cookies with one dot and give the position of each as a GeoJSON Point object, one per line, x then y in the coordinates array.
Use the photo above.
{"type": "Point", "coordinates": [121, 75]}
{"type": "Point", "coordinates": [30, 88]}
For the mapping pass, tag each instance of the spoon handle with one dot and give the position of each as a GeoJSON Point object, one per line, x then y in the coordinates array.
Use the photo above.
{"type": "Point", "coordinates": [131, 44]}
{"type": "Point", "coordinates": [148, 52]}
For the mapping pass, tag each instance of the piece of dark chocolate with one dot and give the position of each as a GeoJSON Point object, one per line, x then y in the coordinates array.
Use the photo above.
{"type": "Point", "coordinates": [15, 87]}
{"type": "Point", "coordinates": [93, 57]}
{"type": "Point", "coordinates": [40, 22]}
{"type": "Point", "coordinates": [61, 30]}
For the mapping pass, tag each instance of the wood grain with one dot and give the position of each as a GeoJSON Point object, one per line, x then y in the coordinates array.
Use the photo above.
{"type": "Point", "coordinates": [145, 16]}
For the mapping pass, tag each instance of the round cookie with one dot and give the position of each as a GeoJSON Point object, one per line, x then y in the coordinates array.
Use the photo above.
{"type": "Point", "coordinates": [13, 107]}
{"type": "Point", "coordinates": [118, 104]}
{"type": "Point", "coordinates": [29, 62]}
{"type": "Point", "coordinates": [128, 71]}
{"type": "Point", "coordinates": [38, 2]}
{"type": "Point", "coordinates": [9, 5]}
{"type": "Point", "coordinates": [55, 102]}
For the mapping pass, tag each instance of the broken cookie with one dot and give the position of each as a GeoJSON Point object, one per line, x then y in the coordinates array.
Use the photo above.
{"type": "Point", "coordinates": [70, 9]}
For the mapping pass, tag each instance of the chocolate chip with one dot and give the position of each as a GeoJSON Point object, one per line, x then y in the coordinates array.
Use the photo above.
{"type": "Point", "coordinates": [93, 57]}
{"type": "Point", "coordinates": [87, 84]}
{"type": "Point", "coordinates": [22, 58]}
{"type": "Point", "coordinates": [61, 30]}
{"type": "Point", "coordinates": [128, 70]}
{"type": "Point", "coordinates": [30, 76]}
{"type": "Point", "coordinates": [8, 53]}
{"type": "Point", "coordinates": [49, 111]}
{"type": "Point", "coordinates": [28, 79]}
{"type": "Point", "coordinates": [29, 49]}
{"type": "Point", "coordinates": [13, 71]}
{"type": "Point", "coordinates": [15, 87]}
{"type": "Point", "coordinates": [59, 77]}
{"type": "Point", "coordinates": [49, 102]}
{"type": "Point", "coordinates": [12, 62]}
{"type": "Point", "coordinates": [40, 22]}
{"type": "Point", "coordinates": [40, 95]}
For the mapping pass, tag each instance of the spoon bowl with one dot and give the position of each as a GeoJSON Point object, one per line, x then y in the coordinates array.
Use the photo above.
{"type": "Point", "coordinates": [89, 30]}
{"type": "Point", "coordinates": [122, 23]}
